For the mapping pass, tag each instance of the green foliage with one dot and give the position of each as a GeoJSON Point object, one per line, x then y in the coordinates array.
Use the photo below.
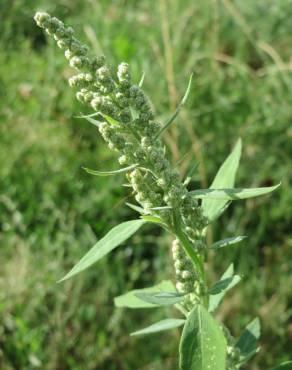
{"type": "Point", "coordinates": [224, 285]}
{"type": "Point", "coordinates": [215, 299]}
{"type": "Point", "coordinates": [160, 326]}
{"type": "Point", "coordinates": [285, 366]}
{"type": "Point", "coordinates": [203, 345]}
{"type": "Point", "coordinates": [132, 299]}
{"type": "Point", "coordinates": [232, 194]}
{"type": "Point", "coordinates": [109, 173]}
{"type": "Point", "coordinates": [227, 242]}
{"type": "Point", "coordinates": [113, 239]}
{"type": "Point", "coordinates": [176, 113]}
{"type": "Point", "coordinates": [161, 298]}
{"type": "Point", "coordinates": [247, 343]}
{"type": "Point", "coordinates": [224, 178]}
{"type": "Point", "coordinates": [51, 212]}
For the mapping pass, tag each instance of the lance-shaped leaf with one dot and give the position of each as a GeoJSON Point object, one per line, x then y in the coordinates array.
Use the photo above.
{"type": "Point", "coordinates": [131, 299]}
{"type": "Point", "coordinates": [203, 345]}
{"type": "Point", "coordinates": [224, 285]}
{"type": "Point", "coordinates": [160, 208]}
{"type": "Point", "coordinates": [176, 113]}
{"type": "Point", "coordinates": [232, 194]}
{"type": "Point", "coordinates": [160, 326]}
{"type": "Point", "coordinates": [247, 343]}
{"type": "Point", "coordinates": [161, 298]}
{"type": "Point", "coordinates": [110, 173]}
{"type": "Point", "coordinates": [214, 300]}
{"type": "Point", "coordinates": [90, 118]}
{"type": "Point", "coordinates": [142, 80]}
{"type": "Point", "coordinates": [136, 208]}
{"type": "Point", "coordinates": [227, 242]}
{"type": "Point", "coordinates": [225, 178]}
{"type": "Point", "coordinates": [113, 238]}
{"type": "Point", "coordinates": [110, 120]}
{"type": "Point", "coordinates": [284, 366]}
{"type": "Point", "coordinates": [153, 219]}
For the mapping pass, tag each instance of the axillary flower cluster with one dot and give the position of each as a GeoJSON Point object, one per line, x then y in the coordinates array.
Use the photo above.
{"type": "Point", "coordinates": [127, 124]}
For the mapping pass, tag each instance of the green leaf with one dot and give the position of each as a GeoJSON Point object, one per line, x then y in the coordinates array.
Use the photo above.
{"type": "Point", "coordinates": [247, 343]}
{"type": "Point", "coordinates": [284, 366]}
{"type": "Point", "coordinates": [160, 326]}
{"type": "Point", "coordinates": [131, 300]}
{"type": "Point", "coordinates": [232, 194]}
{"type": "Point", "coordinates": [214, 300]}
{"type": "Point", "coordinates": [93, 121]}
{"type": "Point", "coordinates": [203, 345]}
{"type": "Point", "coordinates": [227, 242]}
{"type": "Point", "coordinates": [113, 238]}
{"type": "Point", "coordinates": [176, 113]}
{"type": "Point", "coordinates": [141, 80]}
{"type": "Point", "coordinates": [153, 219]}
{"type": "Point", "coordinates": [225, 178]}
{"type": "Point", "coordinates": [224, 285]}
{"type": "Point", "coordinates": [161, 298]}
{"type": "Point", "coordinates": [191, 173]}
{"type": "Point", "coordinates": [110, 173]}
{"type": "Point", "coordinates": [88, 115]}
{"type": "Point", "coordinates": [110, 120]}
{"type": "Point", "coordinates": [136, 208]}
{"type": "Point", "coordinates": [160, 208]}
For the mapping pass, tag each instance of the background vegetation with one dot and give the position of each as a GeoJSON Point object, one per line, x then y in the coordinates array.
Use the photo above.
{"type": "Point", "coordinates": [51, 212]}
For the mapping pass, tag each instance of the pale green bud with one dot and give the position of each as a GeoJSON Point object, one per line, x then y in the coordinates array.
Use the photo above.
{"type": "Point", "coordinates": [42, 18]}
{"type": "Point", "coordinates": [186, 275]}
{"type": "Point", "coordinates": [77, 62]}
{"type": "Point", "coordinates": [125, 115]}
{"type": "Point", "coordinates": [124, 72]}
{"type": "Point", "coordinates": [98, 62]}
{"type": "Point", "coordinates": [123, 159]}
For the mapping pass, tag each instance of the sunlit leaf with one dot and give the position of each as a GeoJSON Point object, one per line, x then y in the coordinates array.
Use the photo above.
{"type": "Point", "coordinates": [247, 343]}
{"type": "Point", "coordinates": [284, 366]}
{"type": "Point", "coordinates": [224, 285]}
{"type": "Point", "coordinates": [225, 178]}
{"type": "Point", "coordinates": [160, 326]}
{"type": "Point", "coordinates": [131, 300]}
{"type": "Point", "coordinates": [176, 113]}
{"type": "Point", "coordinates": [153, 219]}
{"type": "Point", "coordinates": [203, 345]}
{"type": "Point", "coordinates": [110, 173]}
{"type": "Point", "coordinates": [232, 194]}
{"type": "Point", "coordinates": [136, 208]}
{"type": "Point", "coordinates": [214, 300]}
{"type": "Point", "coordinates": [161, 298]}
{"type": "Point", "coordinates": [113, 238]}
{"type": "Point", "coordinates": [227, 242]}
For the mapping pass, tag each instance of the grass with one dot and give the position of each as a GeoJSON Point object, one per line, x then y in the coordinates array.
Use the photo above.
{"type": "Point", "coordinates": [51, 211]}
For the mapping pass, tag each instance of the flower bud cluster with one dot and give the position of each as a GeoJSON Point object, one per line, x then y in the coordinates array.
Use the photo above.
{"type": "Point", "coordinates": [147, 193]}
{"type": "Point", "coordinates": [186, 277]}
{"type": "Point", "coordinates": [129, 128]}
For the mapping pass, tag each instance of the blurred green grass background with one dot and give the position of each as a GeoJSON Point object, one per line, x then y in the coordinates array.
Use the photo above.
{"type": "Point", "coordinates": [51, 212]}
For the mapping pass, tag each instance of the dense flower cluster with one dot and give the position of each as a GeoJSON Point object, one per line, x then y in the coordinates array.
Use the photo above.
{"type": "Point", "coordinates": [128, 126]}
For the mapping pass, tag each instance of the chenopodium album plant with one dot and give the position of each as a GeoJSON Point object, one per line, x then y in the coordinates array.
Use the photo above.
{"type": "Point", "coordinates": [127, 123]}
